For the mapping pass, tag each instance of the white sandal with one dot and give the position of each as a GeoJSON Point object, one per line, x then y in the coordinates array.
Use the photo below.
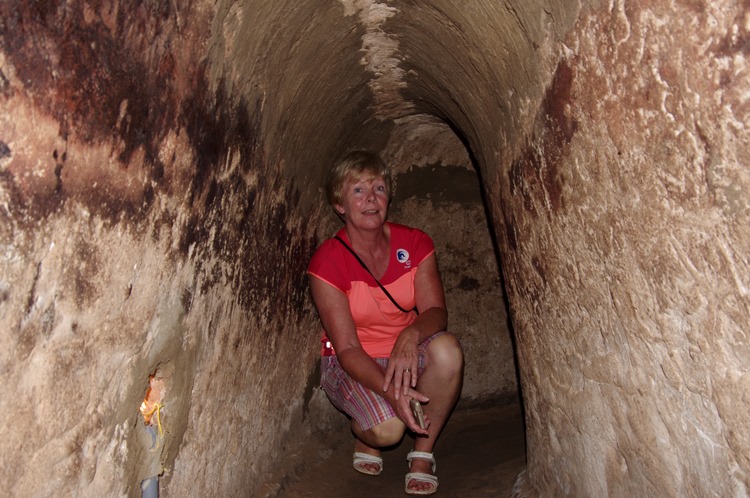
{"type": "Point", "coordinates": [421, 476]}
{"type": "Point", "coordinates": [360, 458]}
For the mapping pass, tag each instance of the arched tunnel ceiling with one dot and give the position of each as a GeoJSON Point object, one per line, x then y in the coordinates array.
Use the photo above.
{"type": "Point", "coordinates": [295, 88]}
{"type": "Point", "coordinates": [343, 77]}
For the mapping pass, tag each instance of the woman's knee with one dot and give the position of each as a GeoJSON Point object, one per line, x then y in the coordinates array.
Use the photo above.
{"type": "Point", "coordinates": [446, 352]}
{"type": "Point", "coordinates": [388, 432]}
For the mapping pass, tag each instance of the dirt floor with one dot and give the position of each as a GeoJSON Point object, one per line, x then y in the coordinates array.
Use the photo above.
{"type": "Point", "coordinates": [480, 454]}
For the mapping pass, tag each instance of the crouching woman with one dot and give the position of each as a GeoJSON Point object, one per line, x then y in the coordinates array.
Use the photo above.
{"type": "Point", "coordinates": [380, 299]}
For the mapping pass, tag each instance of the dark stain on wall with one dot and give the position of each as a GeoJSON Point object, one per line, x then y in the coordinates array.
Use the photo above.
{"type": "Point", "coordinates": [83, 269]}
{"type": "Point", "coordinates": [219, 127]}
{"type": "Point", "coordinates": [510, 234]}
{"type": "Point", "coordinates": [91, 64]}
{"type": "Point", "coordinates": [244, 224]}
{"type": "Point", "coordinates": [559, 124]}
{"type": "Point", "coordinates": [106, 75]}
{"type": "Point", "coordinates": [110, 77]}
{"type": "Point", "coordinates": [442, 184]}
{"type": "Point", "coordinates": [31, 298]}
{"type": "Point", "coordinates": [469, 283]}
{"type": "Point", "coordinates": [535, 175]}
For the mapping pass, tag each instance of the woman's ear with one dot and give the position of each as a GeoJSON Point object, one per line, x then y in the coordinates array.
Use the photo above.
{"type": "Point", "coordinates": [339, 209]}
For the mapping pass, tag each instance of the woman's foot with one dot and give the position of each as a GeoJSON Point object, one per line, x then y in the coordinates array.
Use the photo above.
{"type": "Point", "coordinates": [367, 460]}
{"type": "Point", "coordinates": [421, 479]}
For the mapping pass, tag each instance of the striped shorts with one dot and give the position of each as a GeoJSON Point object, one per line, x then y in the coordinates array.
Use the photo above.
{"type": "Point", "coordinates": [360, 403]}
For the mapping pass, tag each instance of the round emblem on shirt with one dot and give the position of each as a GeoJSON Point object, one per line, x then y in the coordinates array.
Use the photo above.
{"type": "Point", "coordinates": [402, 255]}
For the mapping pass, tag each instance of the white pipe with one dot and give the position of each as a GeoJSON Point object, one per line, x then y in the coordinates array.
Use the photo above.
{"type": "Point", "coordinates": [150, 487]}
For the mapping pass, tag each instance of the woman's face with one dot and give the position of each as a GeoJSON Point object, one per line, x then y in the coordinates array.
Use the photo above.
{"type": "Point", "coordinates": [364, 202]}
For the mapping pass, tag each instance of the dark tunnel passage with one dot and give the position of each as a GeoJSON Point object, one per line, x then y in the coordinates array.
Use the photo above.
{"type": "Point", "coordinates": [582, 168]}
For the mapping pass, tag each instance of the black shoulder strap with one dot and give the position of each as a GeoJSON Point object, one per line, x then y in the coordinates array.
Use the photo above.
{"type": "Point", "coordinates": [356, 256]}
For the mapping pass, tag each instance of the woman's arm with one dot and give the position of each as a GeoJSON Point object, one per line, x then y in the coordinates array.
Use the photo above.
{"type": "Point", "coordinates": [333, 309]}
{"type": "Point", "coordinates": [433, 318]}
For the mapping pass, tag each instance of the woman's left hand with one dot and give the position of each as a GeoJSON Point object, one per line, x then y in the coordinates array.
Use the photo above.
{"type": "Point", "coordinates": [404, 359]}
{"type": "Point", "coordinates": [403, 363]}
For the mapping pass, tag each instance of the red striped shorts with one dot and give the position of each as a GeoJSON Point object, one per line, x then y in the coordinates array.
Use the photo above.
{"type": "Point", "coordinates": [360, 403]}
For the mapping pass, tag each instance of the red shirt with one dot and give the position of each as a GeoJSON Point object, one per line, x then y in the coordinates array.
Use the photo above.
{"type": "Point", "coordinates": [377, 319]}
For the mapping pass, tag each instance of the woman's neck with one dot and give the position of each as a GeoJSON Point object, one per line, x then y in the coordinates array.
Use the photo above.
{"type": "Point", "coordinates": [373, 247]}
{"type": "Point", "coordinates": [369, 241]}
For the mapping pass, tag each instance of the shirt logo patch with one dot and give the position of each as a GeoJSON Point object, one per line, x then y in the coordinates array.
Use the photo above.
{"type": "Point", "coordinates": [402, 255]}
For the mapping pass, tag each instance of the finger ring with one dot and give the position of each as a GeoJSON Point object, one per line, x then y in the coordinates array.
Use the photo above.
{"type": "Point", "coordinates": [407, 370]}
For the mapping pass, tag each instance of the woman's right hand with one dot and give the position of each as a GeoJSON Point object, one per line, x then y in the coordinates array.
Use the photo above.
{"type": "Point", "coordinates": [403, 411]}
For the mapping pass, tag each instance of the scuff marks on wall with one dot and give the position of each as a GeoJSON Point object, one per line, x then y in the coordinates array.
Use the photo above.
{"type": "Point", "coordinates": [536, 173]}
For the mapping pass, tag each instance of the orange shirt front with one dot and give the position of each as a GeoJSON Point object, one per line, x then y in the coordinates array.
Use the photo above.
{"type": "Point", "coordinates": [377, 319]}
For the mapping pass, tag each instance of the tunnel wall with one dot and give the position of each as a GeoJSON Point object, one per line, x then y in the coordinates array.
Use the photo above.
{"type": "Point", "coordinates": [624, 222]}
{"type": "Point", "coordinates": [612, 142]}
{"type": "Point", "coordinates": [147, 229]}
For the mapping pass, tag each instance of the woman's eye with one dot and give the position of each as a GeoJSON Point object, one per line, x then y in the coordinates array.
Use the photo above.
{"type": "Point", "coordinates": [381, 188]}
{"type": "Point", "coordinates": [357, 190]}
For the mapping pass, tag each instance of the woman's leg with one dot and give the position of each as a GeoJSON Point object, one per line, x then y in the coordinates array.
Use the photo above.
{"type": "Point", "coordinates": [367, 409]}
{"type": "Point", "coordinates": [386, 433]}
{"type": "Point", "coordinates": [441, 381]}
{"type": "Point", "coordinates": [383, 435]}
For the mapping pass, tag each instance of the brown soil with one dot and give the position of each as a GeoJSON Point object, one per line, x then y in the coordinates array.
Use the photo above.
{"type": "Point", "coordinates": [480, 454]}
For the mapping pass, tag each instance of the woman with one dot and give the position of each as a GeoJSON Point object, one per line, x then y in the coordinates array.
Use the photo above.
{"type": "Point", "coordinates": [379, 352]}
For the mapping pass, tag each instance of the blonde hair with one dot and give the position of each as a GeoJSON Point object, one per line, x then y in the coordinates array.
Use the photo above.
{"type": "Point", "coordinates": [356, 164]}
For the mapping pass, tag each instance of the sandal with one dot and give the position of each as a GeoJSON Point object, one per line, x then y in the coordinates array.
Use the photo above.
{"type": "Point", "coordinates": [421, 476]}
{"type": "Point", "coordinates": [362, 458]}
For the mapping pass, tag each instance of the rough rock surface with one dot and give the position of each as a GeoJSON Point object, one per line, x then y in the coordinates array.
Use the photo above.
{"type": "Point", "coordinates": [627, 222]}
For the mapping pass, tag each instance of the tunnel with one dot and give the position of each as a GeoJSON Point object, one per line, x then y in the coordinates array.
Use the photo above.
{"type": "Point", "coordinates": [581, 166]}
